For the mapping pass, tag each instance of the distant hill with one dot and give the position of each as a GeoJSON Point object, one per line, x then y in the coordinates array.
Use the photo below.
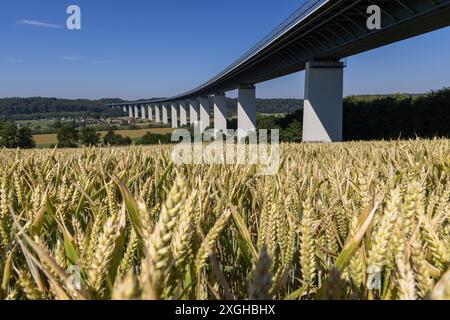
{"type": "Point", "coordinates": [43, 108]}
{"type": "Point", "coordinates": [40, 108]}
{"type": "Point", "coordinates": [372, 97]}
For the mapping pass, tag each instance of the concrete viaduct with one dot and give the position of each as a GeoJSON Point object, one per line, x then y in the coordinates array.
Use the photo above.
{"type": "Point", "coordinates": [314, 38]}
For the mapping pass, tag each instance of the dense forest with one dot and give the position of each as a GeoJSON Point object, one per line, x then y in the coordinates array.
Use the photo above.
{"type": "Point", "coordinates": [37, 108]}
{"type": "Point", "coordinates": [385, 117]}
{"type": "Point", "coordinates": [398, 116]}
{"type": "Point", "coordinates": [48, 108]}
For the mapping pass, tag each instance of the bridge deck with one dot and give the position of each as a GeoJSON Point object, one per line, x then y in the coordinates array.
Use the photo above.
{"type": "Point", "coordinates": [324, 30]}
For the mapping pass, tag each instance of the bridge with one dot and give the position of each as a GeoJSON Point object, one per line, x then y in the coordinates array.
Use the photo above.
{"type": "Point", "coordinates": [315, 38]}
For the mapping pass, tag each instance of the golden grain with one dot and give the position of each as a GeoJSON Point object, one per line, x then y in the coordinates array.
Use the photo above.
{"type": "Point", "coordinates": [200, 227]}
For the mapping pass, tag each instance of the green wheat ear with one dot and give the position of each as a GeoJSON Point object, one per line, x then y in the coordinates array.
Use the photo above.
{"type": "Point", "coordinates": [357, 220]}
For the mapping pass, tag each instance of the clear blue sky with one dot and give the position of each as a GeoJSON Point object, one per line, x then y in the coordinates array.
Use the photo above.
{"type": "Point", "coordinates": [150, 48]}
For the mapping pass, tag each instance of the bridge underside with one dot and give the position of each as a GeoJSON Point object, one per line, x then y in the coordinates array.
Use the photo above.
{"type": "Point", "coordinates": [317, 41]}
{"type": "Point", "coordinates": [337, 31]}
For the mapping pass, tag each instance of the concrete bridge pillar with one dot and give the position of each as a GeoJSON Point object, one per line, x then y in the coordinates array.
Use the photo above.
{"type": "Point", "coordinates": [323, 108]}
{"type": "Point", "coordinates": [136, 112]}
{"type": "Point", "coordinates": [157, 113]}
{"type": "Point", "coordinates": [174, 115]}
{"type": "Point", "coordinates": [143, 112]}
{"type": "Point", "coordinates": [150, 112]}
{"type": "Point", "coordinates": [246, 110]}
{"type": "Point", "coordinates": [220, 112]}
{"type": "Point", "coordinates": [183, 113]}
{"type": "Point", "coordinates": [130, 112]}
{"type": "Point", "coordinates": [193, 112]}
{"type": "Point", "coordinates": [204, 113]}
{"type": "Point", "coordinates": [165, 113]}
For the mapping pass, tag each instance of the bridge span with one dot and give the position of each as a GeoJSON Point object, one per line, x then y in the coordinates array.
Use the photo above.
{"type": "Point", "coordinates": [315, 38]}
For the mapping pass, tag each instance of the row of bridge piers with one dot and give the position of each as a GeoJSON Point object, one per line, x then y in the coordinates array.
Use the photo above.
{"type": "Point", "coordinates": [198, 111]}
{"type": "Point", "coordinates": [323, 106]}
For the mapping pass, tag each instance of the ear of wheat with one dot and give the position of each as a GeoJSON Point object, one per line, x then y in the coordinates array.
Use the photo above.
{"type": "Point", "coordinates": [125, 223]}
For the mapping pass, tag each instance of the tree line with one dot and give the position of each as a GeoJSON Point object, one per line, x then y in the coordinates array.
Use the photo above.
{"type": "Point", "coordinates": [398, 116]}
{"type": "Point", "coordinates": [376, 117]}
{"type": "Point", "coordinates": [38, 108]}
{"type": "Point", "coordinates": [365, 118]}
{"type": "Point", "coordinates": [70, 137]}
{"type": "Point", "coordinates": [371, 117]}
{"type": "Point", "coordinates": [13, 137]}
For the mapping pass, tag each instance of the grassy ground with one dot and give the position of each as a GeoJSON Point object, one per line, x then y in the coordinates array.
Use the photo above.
{"type": "Point", "coordinates": [37, 124]}
{"type": "Point", "coordinates": [45, 140]}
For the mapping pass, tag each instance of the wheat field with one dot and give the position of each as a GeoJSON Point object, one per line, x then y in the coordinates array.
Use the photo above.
{"type": "Point", "coordinates": [52, 138]}
{"type": "Point", "coordinates": [339, 221]}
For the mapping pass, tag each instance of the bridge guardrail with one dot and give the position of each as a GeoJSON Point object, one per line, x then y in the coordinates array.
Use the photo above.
{"type": "Point", "coordinates": [298, 15]}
